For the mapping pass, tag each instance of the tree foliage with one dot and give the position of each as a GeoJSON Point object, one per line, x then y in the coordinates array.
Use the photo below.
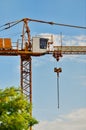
{"type": "Point", "coordinates": [15, 110]}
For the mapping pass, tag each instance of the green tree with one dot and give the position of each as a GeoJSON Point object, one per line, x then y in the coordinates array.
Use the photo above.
{"type": "Point", "coordinates": [15, 110]}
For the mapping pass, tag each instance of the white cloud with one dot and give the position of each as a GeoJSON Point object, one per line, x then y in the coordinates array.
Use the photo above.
{"type": "Point", "coordinates": [73, 121]}
{"type": "Point", "coordinates": [79, 40]}
{"type": "Point", "coordinates": [81, 37]}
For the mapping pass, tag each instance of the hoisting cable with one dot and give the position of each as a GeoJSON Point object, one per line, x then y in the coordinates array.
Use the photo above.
{"type": "Point", "coordinates": [58, 70]}
{"type": "Point", "coordinates": [9, 25]}
{"type": "Point", "coordinates": [58, 24]}
{"type": "Point", "coordinates": [58, 89]}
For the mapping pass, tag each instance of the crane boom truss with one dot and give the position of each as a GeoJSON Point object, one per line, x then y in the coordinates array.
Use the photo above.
{"type": "Point", "coordinates": [64, 50]}
{"type": "Point", "coordinates": [71, 49]}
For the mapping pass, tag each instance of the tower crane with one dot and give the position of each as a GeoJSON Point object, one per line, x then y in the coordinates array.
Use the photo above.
{"type": "Point", "coordinates": [36, 47]}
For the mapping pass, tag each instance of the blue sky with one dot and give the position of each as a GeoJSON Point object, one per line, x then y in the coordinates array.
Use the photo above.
{"type": "Point", "coordinates": [72, 112]}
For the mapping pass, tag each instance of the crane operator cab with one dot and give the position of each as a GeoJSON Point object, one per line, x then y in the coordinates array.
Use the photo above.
{"type": "Point", "coordinates": [39, 45]}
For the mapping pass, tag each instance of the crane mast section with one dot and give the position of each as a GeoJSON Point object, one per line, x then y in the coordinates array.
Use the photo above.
{"type": "Point", "coordinates": [71, 49]}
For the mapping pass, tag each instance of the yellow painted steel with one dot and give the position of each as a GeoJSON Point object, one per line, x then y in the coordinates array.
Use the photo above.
{"type": "Point", "coordinates": [7, 43]}
{"type": "Point", "coordinates": [1, 43]}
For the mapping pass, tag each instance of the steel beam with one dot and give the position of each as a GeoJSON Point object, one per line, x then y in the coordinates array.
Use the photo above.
{"type": "Point", "coordinates": [71, 49]}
